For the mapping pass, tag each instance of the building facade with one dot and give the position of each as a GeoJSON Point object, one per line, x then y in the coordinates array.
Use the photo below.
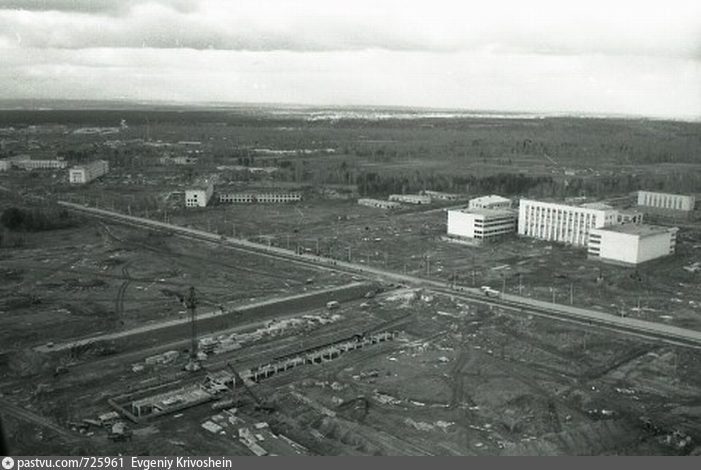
{"type": "Point", "coordinates": [86, 173]}
{"type": "Point", "coordinates": [199, 197]}
{"type": "Point", "coordinates": [410, 198]}
{"type": "Point", "coordinates": [562, 223]}
{"type": "Point", "coordinates": [490, 202]}
{"type": "Point", "coordinates": [26, 163]}
{"type": "Point", "coordinates": [481, 224]}
{"type": "Point", "coordinates": [631, 244]}
{"type": "Point", "coordinates": [672, 202]}
{"type": "Point", "coordinates": [4, 165]}
{"type": "Point", "coordinates": [440, 196]}
{"type": "Point", "coordinates": [378, 203]}
{"type": "Point", "coordinates": [265, 198]}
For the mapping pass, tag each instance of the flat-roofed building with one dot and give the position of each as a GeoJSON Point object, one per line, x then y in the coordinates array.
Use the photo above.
{"type": "Point", "coordinates": [441, 196]}
{"type": "Point", "coordinates": [410, 198]}
{"type": "Point", "coordinates": [378, 203]}
{"type": "Point", "coordinates": [668, 201]}
{"type": "Point", "coordinates": [25, 162]}
{"type": "Point", "coordinates": [481, 224]}
{"type": "Point", "coordinates": [631, 244]}
{"type": "Point", "coordinates": [264, 198]}
{"type": "Point", "coordinates": [83, 174]}
{"type": "Point", "coordinates": [563, 223]}
{"type": "Point", "coordinates": [490, 202]}
{"type": "Point", "coordinates": [199, 196]}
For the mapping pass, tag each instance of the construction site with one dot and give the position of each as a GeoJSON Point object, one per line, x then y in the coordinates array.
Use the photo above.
{"type": "Point", "coordinates": [249, 354]}
{"type": "Point", "coordinates": [333, 316]}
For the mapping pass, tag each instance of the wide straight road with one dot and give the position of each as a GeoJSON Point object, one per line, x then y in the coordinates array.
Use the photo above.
{"type": "Point", "coordinates": [656, 331]}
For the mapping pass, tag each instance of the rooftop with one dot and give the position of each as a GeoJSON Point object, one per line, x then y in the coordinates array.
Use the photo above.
{"type": "Point", "coordinates": [642, 230]}
{"type": "Point", "coordinates": [596, 205]}
{"type": "Point", "coordinates": [486, 212]}
{"type": "Point", "coordinates": [491, 198]}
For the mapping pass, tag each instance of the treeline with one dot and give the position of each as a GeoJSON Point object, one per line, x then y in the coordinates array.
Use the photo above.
{"type": "Point", "coordinates": [519, 184]}
{"type": "Point", "coordinates": [36, 219]}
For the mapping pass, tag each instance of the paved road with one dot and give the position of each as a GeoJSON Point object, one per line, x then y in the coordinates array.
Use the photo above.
{"type": "Point", "coordinates": [657, 331]}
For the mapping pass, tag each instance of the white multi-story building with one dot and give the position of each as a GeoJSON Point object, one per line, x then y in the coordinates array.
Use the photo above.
{"type": "Point", "coordinates": [200, 196]}
{"type": "Point", "coordinates": [631, 244]}
{"type": "Point", "coordinates": [86, 173]}
{"type": "Point", "coordinates": [266, 198]}
{"type": "Point", "coordinates": [410, 198]}
{"type": "Point", "coordinates": [4, 165]}
{"type": "Point", "coordinates": [378, 203]}
{"type": "Point", "coordinates": [490, 202]}
{"type": "Point", "coordinates": [481, 224]}
{"type": "Point", "coordinates": [563, 223]}
{"type": "Point", "coordinates": [672, 202]}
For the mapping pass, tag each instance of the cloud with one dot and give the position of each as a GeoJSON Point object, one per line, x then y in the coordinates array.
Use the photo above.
{"type": "Point", "coordinates": [672, 28]}
{"type": "Point", "coordinates": [472, 80]}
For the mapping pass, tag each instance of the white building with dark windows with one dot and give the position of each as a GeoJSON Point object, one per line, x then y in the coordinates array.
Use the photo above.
{"type": "Point", "coordinates": [631, 244]}
{"type": "Point", "coordinates": [490, 202]}
{"type": "Point", "coordinates": [83, 174]}
{"type": "Point", "coordinates": [264, 198]}
{"type": "Point", "coordinates": [199, 196]}
{"type": "Point", "coordinates": [671, 202]}
{"type": "Point", "coordinates": [481, 225]}
{"type": "Point", "coordinates": [563, 223]}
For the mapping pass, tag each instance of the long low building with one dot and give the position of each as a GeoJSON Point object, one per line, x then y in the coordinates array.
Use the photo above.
{"type": "Point", "coordinates": [481, 224]}
{"type": "Point", "coordinates": [83, 174]}
{"type": "Point", "coordinates": [378, 203]}
{"type": "Point", "coordinates": [25, 162]}
{"type": "Point", "coordinates": [264, 198]}
{"type": "Point", "coordinates": [672, 202]}
{"type": "Point", "coordinates": [410, 198]}
{"type": "Point", "coordinates": [441, 196]}
{"type": "Point", "coordinates": [631, 244]}
{"type": "Point", "coordinates": [563, 223]}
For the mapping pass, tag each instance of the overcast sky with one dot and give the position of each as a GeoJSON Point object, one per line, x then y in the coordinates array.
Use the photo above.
{"type": "Point", "coordinates": [591, 56]}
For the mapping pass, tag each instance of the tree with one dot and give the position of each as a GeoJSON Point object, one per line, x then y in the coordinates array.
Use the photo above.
{"type": "Point", "coordinates": [12, 218]}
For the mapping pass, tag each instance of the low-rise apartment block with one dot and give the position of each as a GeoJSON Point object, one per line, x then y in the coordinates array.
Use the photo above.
{"type": "Point", "coordinates": [83, 174]}
{"type": "Point", "coordinates": [631, 244]}
{"type": "Point", "coordinates": [481, 224]}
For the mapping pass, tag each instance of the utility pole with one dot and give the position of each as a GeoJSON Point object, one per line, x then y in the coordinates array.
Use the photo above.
{"type": "Point", "coordinates": [520, 285]}
{"type": "Point", "coordinates": [552, 289]}
{"type": "Point", "coordinates": [503, 284]}
{"type": "Point", "coordinates": [350, 259]}
{"type": "Point", "coordinates": [428, 266]}
{"type": "Point", "coordinates": [191, 304]}
{"type": "Point", "coordinates": [571, 293]}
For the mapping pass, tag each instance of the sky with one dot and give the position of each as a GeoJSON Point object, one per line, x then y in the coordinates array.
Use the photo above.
{"type": "Point", "coordinates": [625, 57]}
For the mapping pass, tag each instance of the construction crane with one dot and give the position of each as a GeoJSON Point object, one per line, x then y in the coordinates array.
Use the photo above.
{"type": "Point", "coordinates": [191, 304]}
{"type": "Point", "coordinates": [259, 404]}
